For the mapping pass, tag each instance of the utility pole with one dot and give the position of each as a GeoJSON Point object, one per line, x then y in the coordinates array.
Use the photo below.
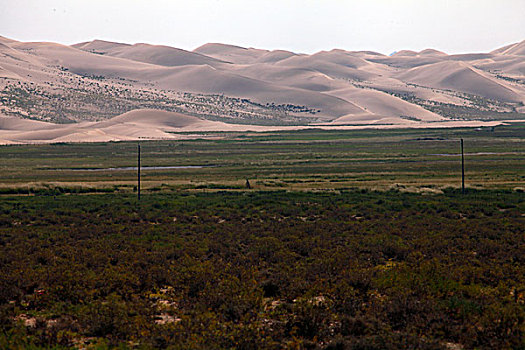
{"type": "Point", "coordinates": [462, 169]}
{"type": "Point", "coordinates": [138, 172]}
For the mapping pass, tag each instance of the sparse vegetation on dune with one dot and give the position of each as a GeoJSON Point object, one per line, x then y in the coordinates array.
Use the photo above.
{"type": "Point", "coordinates": [86, 99]}
{"type": "Point", "coordinates": [96, 80]}
{"type": "Point", "coordinates": [472, 107]}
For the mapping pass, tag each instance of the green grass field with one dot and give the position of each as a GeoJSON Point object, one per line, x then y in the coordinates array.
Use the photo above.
{"type": "Point", "coordinates": [346, 240]}
{"type": "Point", "coordinates": [300, 160]}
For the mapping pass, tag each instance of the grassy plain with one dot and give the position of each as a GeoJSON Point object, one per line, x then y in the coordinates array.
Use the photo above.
{"type": "Point", "coordinates": [299, 160]}
{"type": "Point", "coordinates": [327, 250]}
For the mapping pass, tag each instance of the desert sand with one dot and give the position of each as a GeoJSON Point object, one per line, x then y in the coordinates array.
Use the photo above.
{"type": "Point", "coordinates": [101, 91]}
{"type": "Point", "coordinates": [149, 124]}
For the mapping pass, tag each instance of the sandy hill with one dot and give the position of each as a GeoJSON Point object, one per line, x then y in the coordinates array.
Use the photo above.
{"type": "Point", "coordinates": [78, 61]}
{"type": "Point", "coordinates": [152, 117]}
{"type": "Point", "coordinates": [459, 76]}
{"type": "Point", "coordinates": [410, 53]}
{"type": "Point", "coordinates": [96, 83]}
{"type": "Point", "coordinates": [339, 57]}
{"type": "Point", "coordinates": [4, 47]}
{"type": "Point", "coordinates": [231, 53]}
{"type": "Point", "coordinates": [404, 53]}
{"type": "Point", "coordinates": [10, 54]}
{"type": "Point", "coordinates": [333, 65]}
{"type": "Point", "coordinates": [19, 124]}
{"type": "Point", "coordinates": [143, 123]}
{"type": "Point", "coordinates": [366, 54]}
{"type": "Point", "coordinates": [470, 57]}
{"type": "Point", "coordinates": [513, 66]}
{"type": "Point", "coordinates": [99, 46]}
{"type": "Point", "coordinates": [384, 105]}
{"type": "Point", "coordinates": [5, 40]}
{"type": "Point", "coordinates": [512, 49]}
{"type": "Point", "coordinates": [405, 62]}
{"type": "Point", "coordinates": [274, 56]}
{"type": "Point", "coordinates": [431, 52]}
{"type": "Point", "coordinates": [154, 54]}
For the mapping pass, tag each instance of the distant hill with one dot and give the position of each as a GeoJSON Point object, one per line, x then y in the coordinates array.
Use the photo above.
{"type": "Point", "coordinates": [97, 80]}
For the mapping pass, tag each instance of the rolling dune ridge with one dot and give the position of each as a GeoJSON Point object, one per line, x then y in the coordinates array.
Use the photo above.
{"type": "Point", "coordinates": [100, 90]}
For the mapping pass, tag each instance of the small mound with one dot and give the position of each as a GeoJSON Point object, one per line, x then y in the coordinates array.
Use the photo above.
{"type": "Point", "coordinates": [230, 53]}
{"type": "Point", "coordinates": [405, 53]}
{"type": "Point", "coordinates": [153, 118]}
{"type": "Point", "coordinates": [19, 124]}
{"type": "Point", "coordinates": [217, 48]}
{"type": "Point", "coordinates": [365, 53]}
{"type": "Point", "coordinates": [432, 52]}
{"type": "Point", "coordinates": [99, 45]}
{"type": "Point", "coordinates": [275, 56]}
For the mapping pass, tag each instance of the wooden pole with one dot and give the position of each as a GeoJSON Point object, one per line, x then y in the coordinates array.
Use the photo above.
{"type": "Point", "coordinates": [462, 169]}
{"type": "Point", "coordinates": [138, 173]}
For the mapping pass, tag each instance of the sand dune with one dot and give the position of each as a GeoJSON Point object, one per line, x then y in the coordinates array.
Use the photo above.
{"type": "Point", "coordinates": [155, 125]}
{"type": "Point", "coordinates": [209, 80]}
{"type": "Point", "coordinates": [383, 105]}
{"type": "Point", "coordinates": [99, 46]}
{"type": "Point", "coordinates": [405, 62]}
{"type": "Point", "coordinates": [404, 53]}
{"type": "Point", "coordinates": [6, 41]}
{"type": "Point", "coordinates": [457, 75]}
{"type": "Point", "coordinates": [470, 57]}
{"type": "Point", "coordinates": [154, 54]}
{"type": "Point", "coordinates": [85, 63]}
{"type": "Point", "coordinates": [512, 49]}
{"type": "Point", "coordinates": [431, 52]}
{"type": "Point", "coordinates": [426, 52]}
{"type": "Point", "coordinates": [231, 53]}
{"type": "Point", "coordinates": [151, 117]}
{"type": "Point", "coordinates": [366, 54]}
{"type": "Point", "coordinates": [509, 65]}
{"type": "Point", "coordinates": [19, 124]}
{"type": "Point", "coordinates": [331, 69]}
{"type": "Point", "coordinates": [93, 81]}
{"type": "Point", "coordinates": [304, 78]}
{"type": "Point", "coordinates": [275, 56]}
{"type": "Point", "coordinates": [4, 47]}
{"type": "Point", "coordinates": [191, 78]}
{"type": "Point", "coordinates": [339, 57]}
{"type": "Point", "coordinates": [4, 73]}
{"type": "Point", "coordinates": [15, 59]}
{"type": "Point", "coordinates": [137, 124]}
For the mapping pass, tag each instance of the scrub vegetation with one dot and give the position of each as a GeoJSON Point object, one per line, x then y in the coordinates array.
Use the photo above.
{"type": "Point", "coordinates": [353, 269]}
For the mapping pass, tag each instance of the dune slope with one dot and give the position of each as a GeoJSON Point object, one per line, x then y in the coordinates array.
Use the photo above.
{"type": "Point", "coordinates": [112, 90]}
